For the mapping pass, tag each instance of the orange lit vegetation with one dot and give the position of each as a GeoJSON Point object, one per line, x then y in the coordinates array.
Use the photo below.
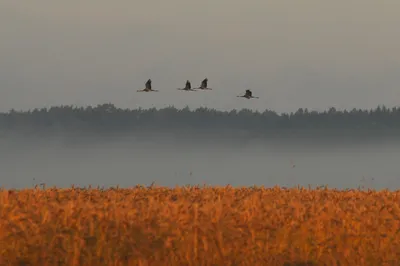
{"type": "Point", "coordinates": [199, 226]}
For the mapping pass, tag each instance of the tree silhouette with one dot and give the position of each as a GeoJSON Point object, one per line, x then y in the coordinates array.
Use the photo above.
{"type": "Point", "coordinates": [107, 117]}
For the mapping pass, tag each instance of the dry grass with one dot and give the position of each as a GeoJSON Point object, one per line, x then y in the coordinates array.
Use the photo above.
{"type": "Point", "coordinates": [199, 226]}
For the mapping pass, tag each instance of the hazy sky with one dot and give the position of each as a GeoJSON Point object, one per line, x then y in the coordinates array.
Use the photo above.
{"type": "Point", "coordinates": [308, 53]}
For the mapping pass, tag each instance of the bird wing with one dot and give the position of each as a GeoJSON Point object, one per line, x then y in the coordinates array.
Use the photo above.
{"type": "Point", "coordinates": [204, 83]}
{"type": "Point", "coordinates": [148, 84]}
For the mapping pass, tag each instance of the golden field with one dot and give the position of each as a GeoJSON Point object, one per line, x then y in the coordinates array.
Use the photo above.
{"type": "Point", "coordinates": [199, 226]}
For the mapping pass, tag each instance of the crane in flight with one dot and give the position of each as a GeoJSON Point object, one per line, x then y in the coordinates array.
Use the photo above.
{"type": "Point", "coordinates": [203, 85]}
{"type": "Point", "coordinates": [248, 95]}
{"type": "Point", "coordinates": [188, 87]}
{"type": "Point", "coordinates": [148, 87]}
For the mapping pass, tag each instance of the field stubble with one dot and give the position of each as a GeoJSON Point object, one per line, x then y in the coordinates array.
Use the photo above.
{"type": "Point", "coordinates": [199, 226]}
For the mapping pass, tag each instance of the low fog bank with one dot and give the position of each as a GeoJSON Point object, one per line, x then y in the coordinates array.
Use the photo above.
{"type": "Point", "coordinates": [169, 160]}
{"type": "Point", "coordinates": [192, 139]}
{"type": "Point", "coordinates": [206, 135]}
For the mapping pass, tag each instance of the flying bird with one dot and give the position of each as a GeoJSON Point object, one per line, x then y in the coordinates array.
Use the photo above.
{"type": "Point", "coordinates": [203, 85]}
{"type": "Point", "coordinates": [248, 95]}
{"type": "Point", "coordinates": [188, 87]}
{"type": "Point", "coordinates": [148, 87]}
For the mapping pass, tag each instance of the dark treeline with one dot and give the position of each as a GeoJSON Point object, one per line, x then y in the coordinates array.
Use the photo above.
{"type": "Point", "coordinates": [107, 117]}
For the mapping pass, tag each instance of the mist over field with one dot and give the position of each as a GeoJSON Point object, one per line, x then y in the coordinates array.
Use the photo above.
{"type": "Point", "coordinates": [128, 159]}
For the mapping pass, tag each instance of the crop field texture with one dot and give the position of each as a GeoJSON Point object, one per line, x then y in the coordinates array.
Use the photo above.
{"type": "Point", "coordinates": [199, 226]}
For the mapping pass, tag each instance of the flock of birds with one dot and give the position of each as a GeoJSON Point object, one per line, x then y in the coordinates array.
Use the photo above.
{"type": "Point", "coordinates": [188, 87]}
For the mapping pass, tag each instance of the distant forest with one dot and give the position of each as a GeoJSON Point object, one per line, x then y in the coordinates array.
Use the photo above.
{"type": "Point", "coordinates": [108, 118]}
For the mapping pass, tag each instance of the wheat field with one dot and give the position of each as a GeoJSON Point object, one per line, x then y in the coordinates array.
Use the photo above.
{"type": "Point", "coordinates": [199, 225]}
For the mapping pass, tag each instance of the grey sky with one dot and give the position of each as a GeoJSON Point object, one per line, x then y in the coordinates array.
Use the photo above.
{"type": "Point", "coordinates": [309, 53]}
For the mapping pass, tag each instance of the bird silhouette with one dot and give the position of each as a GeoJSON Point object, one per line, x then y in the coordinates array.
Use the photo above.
{"type": "Point", "coordinates": [148, 87]}
{"type": "Point", "coordinates": [204, 84]}
{"type": "Point", "coordinates": [188, 87]}
{"type": "Point", "coordinates": [248, 95]}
